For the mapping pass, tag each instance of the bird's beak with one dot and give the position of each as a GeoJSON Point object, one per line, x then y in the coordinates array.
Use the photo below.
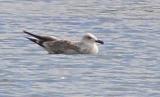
{"type": "Point", "coordinates": [100, 41]}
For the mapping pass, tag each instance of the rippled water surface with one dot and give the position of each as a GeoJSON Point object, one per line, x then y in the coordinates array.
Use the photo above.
{"type": "Point", "coordinates": [128, 65]}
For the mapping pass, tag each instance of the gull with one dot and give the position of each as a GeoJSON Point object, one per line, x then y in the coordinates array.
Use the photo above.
{"type": "Point", "coordinates": [54, 45]}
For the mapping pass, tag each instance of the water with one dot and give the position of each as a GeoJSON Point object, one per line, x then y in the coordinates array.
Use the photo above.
{"type": "Point", "coordinates": [128, 65]}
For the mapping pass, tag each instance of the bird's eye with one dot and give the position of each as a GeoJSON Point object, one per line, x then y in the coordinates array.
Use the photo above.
{"type": "Point", "coordinates": [89, 37]}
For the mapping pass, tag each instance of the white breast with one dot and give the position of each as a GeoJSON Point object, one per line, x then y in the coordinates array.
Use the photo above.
{"type": "Point", "coordinates": [89, 48]}
{"type": "Point", "coordinates": [94, 49]}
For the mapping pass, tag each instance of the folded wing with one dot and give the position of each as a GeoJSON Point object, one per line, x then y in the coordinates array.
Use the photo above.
{"type": "Point", "coordinates": [38, 39]}
{"type": "Point", "coordinates": [53, 44]}
{"type": "Point", "coordinates": [61, 46]}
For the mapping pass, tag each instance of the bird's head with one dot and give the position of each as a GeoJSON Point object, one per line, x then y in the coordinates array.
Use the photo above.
{"type": "Point", "coordinates": [91, 39]}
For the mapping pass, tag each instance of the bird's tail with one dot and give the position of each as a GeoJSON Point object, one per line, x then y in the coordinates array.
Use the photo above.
{"type": "Point", "coordinates": [36, 36]}
{"type": "Point", "coordinates": [32, 39]}
{"type": "Point", "coordinates": [40, 43]}
{"type": "Point", "coordinates": [39, 37]}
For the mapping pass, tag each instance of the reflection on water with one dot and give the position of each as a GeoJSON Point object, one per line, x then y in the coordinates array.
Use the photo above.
{"type": "Point", "coordinates": [127, 65]}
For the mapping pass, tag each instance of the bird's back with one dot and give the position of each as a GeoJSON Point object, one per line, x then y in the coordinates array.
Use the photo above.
{"type": "Point", "coordinates": [61, 47]}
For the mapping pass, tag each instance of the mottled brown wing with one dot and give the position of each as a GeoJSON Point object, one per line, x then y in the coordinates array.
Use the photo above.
{"type": "Point", "coordinates": [62, 46]}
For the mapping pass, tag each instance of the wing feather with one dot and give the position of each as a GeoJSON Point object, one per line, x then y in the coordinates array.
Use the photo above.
{"type": "Point", "coordinates": [61, 46]}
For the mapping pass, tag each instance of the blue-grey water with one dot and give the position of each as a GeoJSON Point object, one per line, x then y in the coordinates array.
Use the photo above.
{"type": "Point", "coordinates": [128, 64]}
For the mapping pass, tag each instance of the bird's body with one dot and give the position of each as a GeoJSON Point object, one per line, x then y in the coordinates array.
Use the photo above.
{"type": "Point", "coordinates": [55, 45]}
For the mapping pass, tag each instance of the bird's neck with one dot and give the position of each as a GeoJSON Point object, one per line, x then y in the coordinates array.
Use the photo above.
{"type": "Point", "coordinates": [91, 47]}
{"type": "Point", "coordinates": [95, 49]}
